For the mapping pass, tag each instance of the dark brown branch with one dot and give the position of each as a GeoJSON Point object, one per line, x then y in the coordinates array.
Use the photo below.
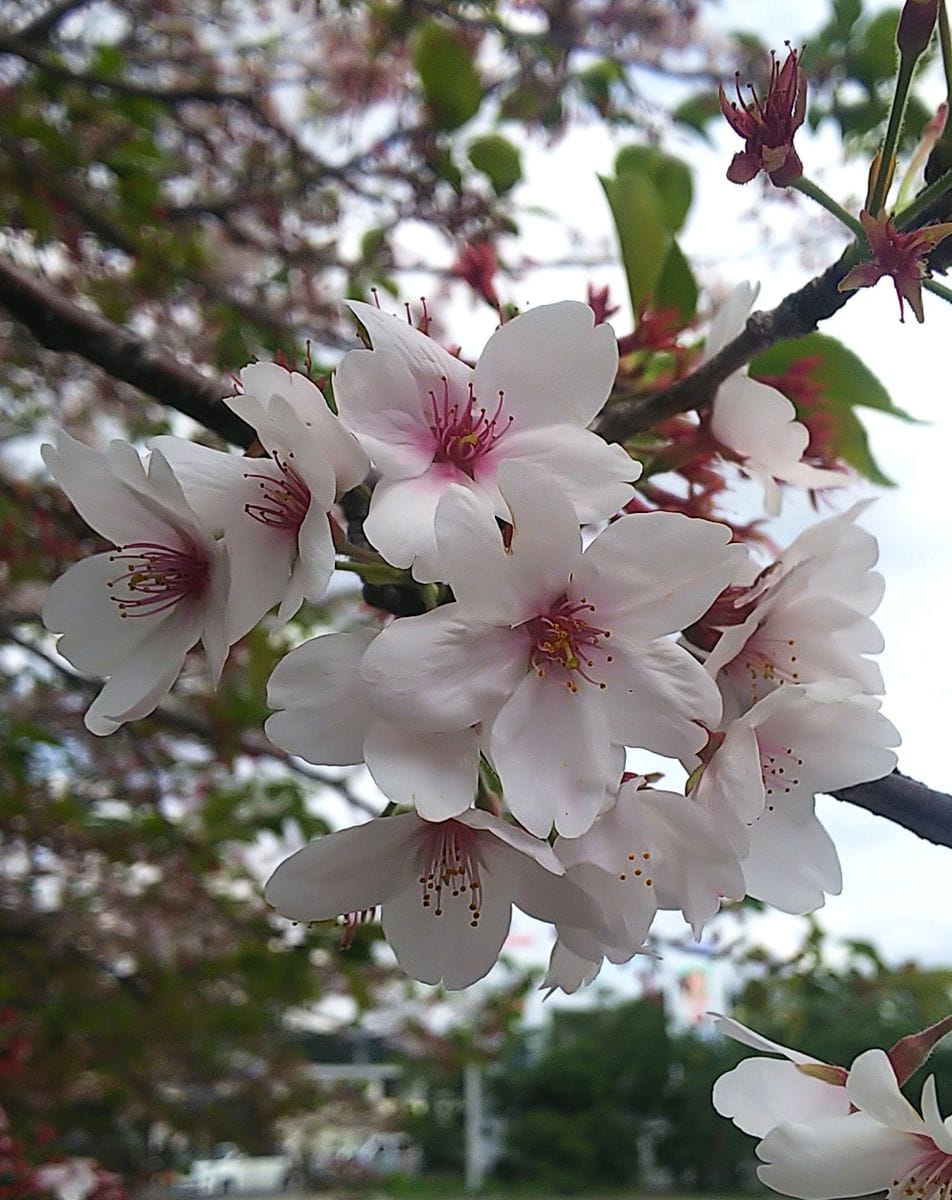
{"type": "Point", "coordinates": [59, 324]}
{"type": "Point", "coordinates": [798, 314]}
{"type": "Point", "coordinates": [905, 802]}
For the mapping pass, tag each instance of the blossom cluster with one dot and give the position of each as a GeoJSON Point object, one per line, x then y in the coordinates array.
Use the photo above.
{"type": "Point", "coordinates": [827, 1131]}
{"type": "Point", "coordinates": [501, 721]}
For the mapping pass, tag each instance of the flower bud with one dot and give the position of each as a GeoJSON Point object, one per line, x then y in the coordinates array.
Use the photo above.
{"type": "Point", "coordinates": [916, 23]}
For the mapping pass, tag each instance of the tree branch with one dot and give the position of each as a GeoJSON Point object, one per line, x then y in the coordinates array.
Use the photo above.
{"type": "Point", "coordinates": [796, 315]}
{"type": "Point", "coordinates": [905, 802]}
{"type": "Point", "coordinates": [59, 324]}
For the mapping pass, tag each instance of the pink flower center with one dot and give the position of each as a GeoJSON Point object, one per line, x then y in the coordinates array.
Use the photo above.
{"type": "Point", "coordinates": [449, 867]}
{"type": "Point", "coordinates": [284, 501]}
{"type": "Point", "coordinates": [464, 432]}
{"type": "Point", "coordinates": [157, 577]}
{"type": "Point", "coordinates": [928, 1178]}
{"type": "Point", "coordinates": [565, 642]}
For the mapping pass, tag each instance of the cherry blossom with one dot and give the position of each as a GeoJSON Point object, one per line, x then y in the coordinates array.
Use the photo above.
{"type": "Point", "coordinates": [559, 654]}
{"type": "Point", "coordinates": [898, 255]}
{"type": "Point", "coordinates": [428, 420]}
{"type": "Point", "coordinates": [768, 125]}
{"type": "Point", "coordinates": [133, 613]}
{"type": "Point", "coordinates": [273, 511]}
{"type": "Point", "coordinates": [883, 1145]}
{"type": "Point", "coordinates": [445, 889]}
{"type": "Point", "coordinates": [71, 1179]}
{"type": "Point", "coordinates": [655, 849]}
{"type": "Point", "coordinates": [329, 716]}
{"type": "Point", "coordinates": [761, 1093]}
{"type": "Point", "coordinates": [803, 620]}
{"type": "Point", "coordinates": [753, 422]}
{"type": "Point", "coordinates": [761, 773]}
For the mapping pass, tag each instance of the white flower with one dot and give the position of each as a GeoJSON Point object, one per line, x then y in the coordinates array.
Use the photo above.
{"type": "Point", "coordinates": [755, 422]}
{"type": "Point", "coordinates": [761, 1093]}
{"type": "Point", "coordinates": [428, 420]}
{"type": "Point", "coordinates": [885, 1145]}
{"type": "Point", "coordinates": [804, 620]}
{"type": "Point", "coordinates": [656, 850]}
{"type": "Point", "coordinates": [132, 614]}
{"type": "Point", "coordinates": [557, 653]}
{"type": "Point", "coordinates": [273, 511]}
{"type": "Point", "coordinates": [445, 889]}
{"type": "Point", "coordinates": [329, 716]}
{"type": "Point", "coordinates": [760, 781]}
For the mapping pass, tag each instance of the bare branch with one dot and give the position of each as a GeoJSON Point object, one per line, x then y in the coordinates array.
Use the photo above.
{"type": "Point", "coordinates": [906, 802]}
{"type": "Point", "coordinates": [61, 325]}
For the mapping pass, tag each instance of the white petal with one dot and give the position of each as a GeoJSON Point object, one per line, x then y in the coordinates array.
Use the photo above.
{"type": "Point", "coordinates": [260, 558]}
{"type": "Point", "coordinates": [938, 1129]}
{"type": "Point", "coordinates": [761, 1093]}
{"type": "Point", "coordinates": [552, 364]}
{"type": "Point", "coordinates": [143, 678]}
{"type": "Point", "coordinates": [651, 574]}
{"type": "Point", "coordinates": [567, 971]}
{"type": "Point", "coordinates": [593, 475]}
{"type": "Point", "coordinates": [749, 1037]}
{"type": "Point", "coordinates": [551, 750]}
{"type": "Point", "coordinates": [400, 523]}
{"type": "Point", "coordinates": [326, 702]}
{"type": "Point", "coordinates": [95, 634]}
{"type": "Point", "coordinates": [658, 697]}
{"type": "Point", "coordinates": [441, 671]}
{"type": "Point", "coordinates": [792, 862]}
{"type": "Point", "coordinates": [449, 947]}
{"type": "Point", "coordinates": [317, 553]}
{"type": "Point", "coordinates": [346, 871]}
{"type": "Point", "coordinates": [731, 786]}
{"type": "Point", "coordinates": [213, 482]}
{"type": "Point", "coordinates": [730, 318]}
{"type": "Point", "coordinates": [832, 1157]}
{"type": "Point", "coordinates": [872, 1087]}
{"type": "Point", "coordinates": [436, 773]}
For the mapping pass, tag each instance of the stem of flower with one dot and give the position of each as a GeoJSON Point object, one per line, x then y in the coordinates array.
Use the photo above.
{"type": "Point", "coordinates": [945, 43]}
{"type": "Point", "coordinates": [817, 194]}
{"type": "Point", "coordinates": [887, 155]}
{"type": "Point", "coordinates": [938, 289]}
{"type": "Point", "coordinates": [907, 218]}
{"type": "Point", "coordinates": [378, 572]}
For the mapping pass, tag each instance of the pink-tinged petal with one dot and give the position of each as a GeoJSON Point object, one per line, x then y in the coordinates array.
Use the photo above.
{"type": "Point", "coordinates": [473, 559]}
{"type": "Point", "coordinates": [293, 596]}
{"type": "Point", "coordinates": [144, 677]}
{"type": "Point", "coordinates": [551, 750]}
{"type": "Point", "coordinates": [394, 335]}
{"type": "Point", "coordinates": [213, 482]}
{"type": "Point", "coordinates": [838, 557]}
{"type": "Point", "coordinates": [873, 1088]}
{"type": "Point", "coordinates": [435, 773]}
{"type": "Point", "coordinates": [317, 553]}
{"type": "Point", "coordinates": [449, 947]}
{"type": "Point", "coordinates": [515, 838]}
{"type": "Point", "coordinates": [591, 474]}
{"type": "Point", "coordinates": [442, 671]}
{"type": "Point", "coordinates": [938, 1129]}
{"type": "Point", "coordinates": [556, 899]}
{"type": "Point", "coordinates": [163, 488]}
{"type": "Point", "coordinates": [762, 1093]}
{"type": "Point", "coordinates": [261, 557]}
{"type": "Point", "coordinates": [299, 447]}
{"type": "Point", "coordinates": [731, 786]}
{"type": "Point", "coordinates": [326, 703]}
{"type": "Point", "coordinates": [260, 382]}
{"type": "Point", "coordinates": [657, 697]}
{"type": "Point", "coordinates": [347, 871]}
{"type": "Point", "coordinates": [400, 523]}
{"type": "Point", "coordinates": [113, 509]}
{"type": "Point", "coordinates": [757, 421]}
{"type": "Point", "coordinates": [552, 365]}
{"type": "Point", "coordinates": [791, 861]}
{"type": "Point", "coordinates": [627, 907]}
{"type": "Point", "coordinates": [213, 611]}
{"type": "Point", "coordinates": [730, 318]}
{"type": "Point", "coordinates": [337, 444]}
{"type": "Point", "coordinates": [567, 971]}
{"type": "Point", "coordinates": [95, 634]}
{"type": "Point", "coordinates": [651, 574]}
{"type": "Point", "coordinates": [749, 1037]}
{"type": "Point", "coordinates": [833, 1157]}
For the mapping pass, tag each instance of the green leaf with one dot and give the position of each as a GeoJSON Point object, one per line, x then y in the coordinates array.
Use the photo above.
{"type": "Point", "coordinates": [451, 86]}
{"type": "Point", "coordinates": [845, 383]}
{"type": "Point", "coordinates": [676, 287]}
{"type": "Point", "coordinates": [670, 176]}
{"type": "Point", "coordinates": [698, 111]}
{"type": "Point", "coordinates": [641, 226]}
{"type": "Point", "coordinates": [845, 14]}
{"type": "Point", "coordinates": [498, 158]}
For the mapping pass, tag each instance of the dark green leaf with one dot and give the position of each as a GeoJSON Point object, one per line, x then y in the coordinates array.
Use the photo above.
{"type": "Point", "coordinates": [670, 176]}
{"type": "Point", "coordinates": [643, 238]}
{"type": "Point", "coordinates": [451, 86]}
{"type": "Point", "coordinates": [497, 158]}
{"type": "Point", "coordinates": [676, 286]}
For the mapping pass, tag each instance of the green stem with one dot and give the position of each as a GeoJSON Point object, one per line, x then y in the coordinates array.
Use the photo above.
{"type": "Point", "coordinates": [817, 194]}
{"type": "Point", "coordinates": [378, 572]}
{"type": "Point", "coordinates": [887, 154]}
{"type": "Point", "coordinates": [945, 43]}
{"type": "Point", "coordinates": [938, 289]}
{"type": "Point", "coordinates": [907, 218]}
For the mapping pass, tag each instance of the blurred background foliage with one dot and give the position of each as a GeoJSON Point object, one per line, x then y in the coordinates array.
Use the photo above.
{"type": "Point", "coordinates": [212, 177]}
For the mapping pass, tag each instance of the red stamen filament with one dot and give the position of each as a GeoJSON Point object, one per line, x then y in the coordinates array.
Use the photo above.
{"type": "Point", "coordinates": [285, 501]}
{"type": "Point", "coordinates": [563, 639]}
{"type": "Point", "coordinates": [464, 433]}
{"type": "Point", "coordinates": [157, 577]}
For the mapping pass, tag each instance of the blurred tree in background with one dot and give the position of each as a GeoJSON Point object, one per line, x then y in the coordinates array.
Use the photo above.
{"type": "Point", "coordinates": [184, 187]}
